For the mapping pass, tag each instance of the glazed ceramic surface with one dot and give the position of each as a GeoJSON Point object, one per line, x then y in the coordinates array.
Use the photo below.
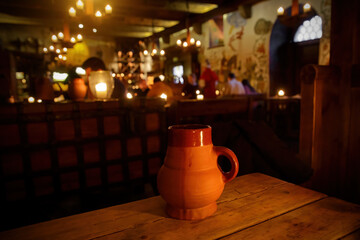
{"type": "Point", "coordinates": [191, 180]}
{"type": "Point", "coordinates": [77, 89]}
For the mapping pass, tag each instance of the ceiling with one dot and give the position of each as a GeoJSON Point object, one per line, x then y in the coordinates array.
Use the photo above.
{"type": "Point", "coordinates": [129, 18]}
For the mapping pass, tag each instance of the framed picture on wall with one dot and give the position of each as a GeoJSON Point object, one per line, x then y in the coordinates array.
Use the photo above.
{"type": "Point", "coordinates": [216, 32]}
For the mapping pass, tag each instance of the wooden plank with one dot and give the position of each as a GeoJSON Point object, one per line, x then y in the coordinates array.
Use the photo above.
{"type": "Point", "coordinates": [212, 107]}
{"type": "Point", "coordinates": [134, 217]}
{"type": "Point", "coordinates": [329, 218]}
{"type": "Point", "coordinates": [352, 236]}
{"type": "Point", "coordinates": [308, 74]}
{"type": "Point", "coordinates": [352, 186]}
{"type": "Point", "coordinates": [344, 53]}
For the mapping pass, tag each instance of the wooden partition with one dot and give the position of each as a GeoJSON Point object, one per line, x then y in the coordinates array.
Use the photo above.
{"type": "Point", "coordinates": [330, 134]}
{"type": "Point", "coordinates": [211, 110]}
{"type": "Point", "coordinates": [86, 147]}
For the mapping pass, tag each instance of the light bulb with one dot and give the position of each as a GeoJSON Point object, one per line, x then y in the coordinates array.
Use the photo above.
{"type": "Point", "coordinates": [129, 95]}
{"type": "Point", "coordinates": [65, 49]}
{"type": "Point", "coordinates": [80, 4]}
{"type": "Point", "coordinates": [154, 51]}
{"type": "Point", "coordinates": [64, 58]}
{"type": "Point", "coordinates": [307, 7]}
{"type": "Point", "coordinates": [163, 96]}
{"type": "Point", "coordinates": [31, 99]}
{"type": "Point", "coordinates": [60, 56]}
{"type": "Point", "coordinates": [45, 50]}
{"type": "Point", "coordinates": [162, 52]}
{"type": "Point", "coordinates": [81, 25]}
{"type": "Point", "coordinates": [72, 12]}
{"type": "Point", "coordinates": [280, 11]}
{"type": "Point", "coordinates": [98, 14]}
{"type": "Point", "coordinates": [54, 38]}
{"type": "Point", "coordinates": [178, 42]}
{"type": "Point", "coordinates": [51, 48]}
{"type": "Point", "coordinates": [108, 9]}
{"type": "Point", "coordinates": [146, 52]}
{"type": "Point", "coordinates": [192, 41]}
{"type": "Point", "coordinates": [200, 97]}
{"type": "Point", "coordinates": [57, 51]}
{"type": "Point", "coordinates": [79, 37]}
{"type": "Point", "coordinates": [198, 43]}
{"type": "Point", "coordinates": [60, 35]}
{"type": "Point", "coordinates": [94, 30]}
{"type": "Point", "coordinates": [281, 93]}
{"type": "Point", "coordinates": [73, 40]}
{"type": "Point", "coordinates": [185, 44]}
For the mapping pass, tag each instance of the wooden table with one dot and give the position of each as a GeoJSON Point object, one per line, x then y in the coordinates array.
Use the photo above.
{"type": "Point", "coordinates": [253, 206]}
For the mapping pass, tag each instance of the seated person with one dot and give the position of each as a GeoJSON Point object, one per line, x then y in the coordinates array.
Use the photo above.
{"type": "Point", "coordinates": [233, 86]}
{"type": "Point", "coordinates": [190, 86]}
{"type": "Point", "coordinates": [142, 90]}
{"type": "Point", "coordinates": [248, 88]}
{"type": "Point", "coordinates": [159, 88]}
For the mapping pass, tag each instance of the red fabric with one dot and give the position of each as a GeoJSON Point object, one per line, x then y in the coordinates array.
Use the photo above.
{"type": "Point", "coordinates": [210, 78]}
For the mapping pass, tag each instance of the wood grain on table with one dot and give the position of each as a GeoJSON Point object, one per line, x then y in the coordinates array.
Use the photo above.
{"type": "Point", "coordinates": [253, 206]}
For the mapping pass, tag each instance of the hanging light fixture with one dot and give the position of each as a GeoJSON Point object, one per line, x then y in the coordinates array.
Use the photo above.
{"type": "Point", "coordinates": [189, 41]}
{"type": "Point", "coordinates": [88, 6]}
{"type": "Point", "coordinates": [60, 43]}
{"type": "Point", "coordinates": [296, 16]}
{"type": "Point", "coordinates": [154, 50]}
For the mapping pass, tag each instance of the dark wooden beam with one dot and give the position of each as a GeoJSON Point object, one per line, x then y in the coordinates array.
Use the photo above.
{"type": "Point", "coordinates": [225, 7]}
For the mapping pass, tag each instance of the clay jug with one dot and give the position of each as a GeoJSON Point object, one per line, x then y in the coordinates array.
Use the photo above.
{"type": "Point", "coordinates": [77, 89]}
{"type": "Point", "coordinates": [190, 181]}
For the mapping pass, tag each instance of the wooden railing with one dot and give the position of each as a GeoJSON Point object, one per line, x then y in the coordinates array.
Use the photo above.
{"type": "Point", "coordinates": [57, 149]}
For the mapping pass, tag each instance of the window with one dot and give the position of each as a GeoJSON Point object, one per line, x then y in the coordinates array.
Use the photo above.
{"type": "Point", "coordinates": [309, 30]}
{"type": "Point", "coordinates": [178, 72]}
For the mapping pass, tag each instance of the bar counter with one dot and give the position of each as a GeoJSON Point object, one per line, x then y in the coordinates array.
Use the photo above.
{"type": "Point", "coordinates": [253, 206]}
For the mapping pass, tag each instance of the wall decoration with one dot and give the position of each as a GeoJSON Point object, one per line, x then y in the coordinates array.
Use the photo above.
{"type": "Point", "coordinates": [237, 36]}
{"type": "Point", "coordinates": [259, 65]}
{"type": "Point", "coordinates": [235, 20]}
{"type": "Point", "coordinates": [216, 32]}
{"type": "Point", "coordinates": [262, 27]}
{"type": "Point", "coordinates": [227, 66]}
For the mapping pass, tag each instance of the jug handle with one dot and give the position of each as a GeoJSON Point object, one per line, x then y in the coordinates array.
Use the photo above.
{"type": "Point", "coordinates": [233, 160]}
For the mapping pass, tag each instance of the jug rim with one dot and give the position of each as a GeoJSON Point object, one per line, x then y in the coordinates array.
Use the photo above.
{"type": "Point", "coordinates": [189, 126]}
{"type": "Point", "coordinates": [189, 135]}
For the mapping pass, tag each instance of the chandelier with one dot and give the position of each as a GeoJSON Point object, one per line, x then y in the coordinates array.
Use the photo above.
{"type": "Point", "coordinates": [88, 9]}
{"type": "Point", "coordinates": [154, 51]}
{"type": "Point", "coordinates": [296, 16]}
{"type": "Point", "coordinates": [189, 41]}
{"type": "Point", "coordinates": [61, 42]}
